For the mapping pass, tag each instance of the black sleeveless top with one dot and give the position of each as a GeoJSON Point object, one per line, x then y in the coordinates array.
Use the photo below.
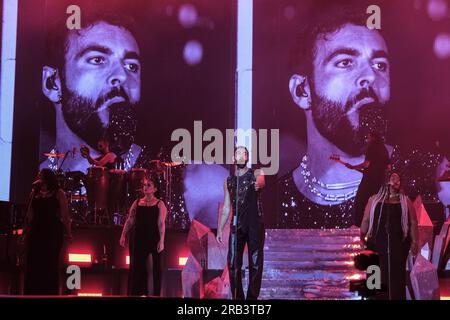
{"type": "Point", "coordinates": [46, 223]}
{"type": "Point", "coordinates": [387, 219]}
{"type": "Point", "coordinates": [146, 234]}
{"type": "Point", "coordinates": [245, 199]}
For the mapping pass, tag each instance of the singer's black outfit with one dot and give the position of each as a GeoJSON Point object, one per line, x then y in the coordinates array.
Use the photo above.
{"type": "Point", "coordinates": [43, 247]}
{"type": "Point", "coordinates": [390, 221]}
{"type": "Point", "coordinates": [144, 241]}
{"type": "Point", "coordinates": [250, 231]}
{"type": "Point", "coordinates": [373, 178]}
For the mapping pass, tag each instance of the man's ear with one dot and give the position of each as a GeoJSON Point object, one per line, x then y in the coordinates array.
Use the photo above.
{"type": "Point", "coordinates": [300, 91]}
{"type": "Point", "coordinates": [51, 84]}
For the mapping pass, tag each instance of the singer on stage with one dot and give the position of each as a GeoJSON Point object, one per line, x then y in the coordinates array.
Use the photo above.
{"type": "Point", "coordinates": [145, 230]}
{"type": "Point", "coordinates": [47, 224]}
{"type": "Point", "coordinates": [242, 198]}
{"type": "Point", "coordinates": [390, 223]}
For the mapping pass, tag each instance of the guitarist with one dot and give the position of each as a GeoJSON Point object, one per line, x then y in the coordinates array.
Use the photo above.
{"type": "Point", "coordinates": [374, 169]}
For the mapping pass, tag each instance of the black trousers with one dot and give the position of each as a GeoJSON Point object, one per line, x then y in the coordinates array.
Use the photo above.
{"type": "Point", "coordinates": [254, 237]}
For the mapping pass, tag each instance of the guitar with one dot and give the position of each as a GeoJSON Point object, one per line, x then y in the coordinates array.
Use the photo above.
{"type": "Point", "coordinates": [337, 158]}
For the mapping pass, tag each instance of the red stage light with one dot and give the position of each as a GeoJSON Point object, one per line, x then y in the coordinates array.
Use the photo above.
{"type": "Point", "coordinates": [182, 261]}
{"type": "Point", "coordinates": [18, 232]}
{"type": "Point", "coordinates": [80, 257]}
{"type": "Point", "coordinates": [127, 260]}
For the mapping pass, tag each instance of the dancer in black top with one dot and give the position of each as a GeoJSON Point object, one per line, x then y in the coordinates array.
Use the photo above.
{"type": "Point", "coordinates": [145, 230]}
{"type": "Point", "coordinates": [374, 168]}
{"type": "Point", "coordinates": [242, 197]}
{"type": "Point", "coordinates": [46, 223]}
{"type": "Point", "coordinates": [390, 224]}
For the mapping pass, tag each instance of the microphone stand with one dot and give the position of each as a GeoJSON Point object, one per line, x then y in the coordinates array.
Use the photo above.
{"type": "Point", "coordinates": [64, 159]}
{"type": "Point", "coordinates": [388, 227]}
{"type": "Point", "coordinates": [236, 220]}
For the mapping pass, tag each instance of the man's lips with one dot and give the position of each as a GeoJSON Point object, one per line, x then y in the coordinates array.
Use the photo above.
{"type": "Point", "coordinates": [110, 102]}
{"type": "Point", "coordinates": [360, 104]}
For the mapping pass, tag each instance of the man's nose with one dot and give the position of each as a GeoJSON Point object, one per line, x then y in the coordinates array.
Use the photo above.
{"type": "Point", "coordinates": [118, 75]}
{"type": "Point", "coordinates": [366, 77]}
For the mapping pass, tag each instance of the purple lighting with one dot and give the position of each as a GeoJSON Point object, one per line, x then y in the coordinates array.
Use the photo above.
{"type": "Point", "coordinates": [442, 46]}
{"type": "Point", "coordinates": [193, 52]}
{"type": "Point", "coordinates": [187, 15]}
{"type": "Point", "coordinates": [437, 9]}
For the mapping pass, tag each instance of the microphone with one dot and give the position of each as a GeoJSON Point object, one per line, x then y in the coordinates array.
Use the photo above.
{"type": "Point", "coordinates": [74, 150]}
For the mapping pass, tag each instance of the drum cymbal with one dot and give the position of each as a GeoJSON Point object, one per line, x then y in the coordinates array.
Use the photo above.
{"type": "Point", "coordinates": [166, 164]}
{"type": "Point", "coordinates": [173, 164]}
{"type": "Point", "coordinates": [54, 155]}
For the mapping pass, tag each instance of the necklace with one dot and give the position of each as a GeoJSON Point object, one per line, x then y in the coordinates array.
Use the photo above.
{"type": "Point", "coordinates": [313, 183]}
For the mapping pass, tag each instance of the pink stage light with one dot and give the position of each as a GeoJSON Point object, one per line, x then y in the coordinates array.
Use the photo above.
{"type": "Point", "coordinates": [182, 261]}
{"type": "Point", "coordinates": [80, 257]}
{"type": "Point", "coordinates": [127, 260]}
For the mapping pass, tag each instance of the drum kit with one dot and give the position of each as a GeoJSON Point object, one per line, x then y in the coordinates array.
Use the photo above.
{"type": "Point", "coordinates": [102, 196]}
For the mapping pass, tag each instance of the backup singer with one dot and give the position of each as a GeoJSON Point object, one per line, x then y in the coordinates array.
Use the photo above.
{"type": "Point", "coordinates": [145, 230]}
{"type": "Point", "coordinates": [390, 223]}
{"type": "Point", "coordinates": [46, 223]}
{"type": "Point", "coordinates": [242, 197]}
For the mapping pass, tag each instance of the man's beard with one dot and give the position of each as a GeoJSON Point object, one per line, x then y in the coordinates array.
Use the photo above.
{"type": "Point", "coordinates": [332, 122]}
{"type": "Point", "coordinates": [241, 165]}
{"type": "Point", "coordinates": [81, 116]}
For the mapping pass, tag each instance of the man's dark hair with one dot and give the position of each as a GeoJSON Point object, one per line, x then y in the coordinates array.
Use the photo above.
{"type": "Point", "coordinates": [327, 21]}
{"type": "Point", "coordinates": [58, 33]}
{"type": "Point", "coordinates": [241, 147]}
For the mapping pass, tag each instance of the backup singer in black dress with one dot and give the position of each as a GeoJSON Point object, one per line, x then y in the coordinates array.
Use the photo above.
{"type": "Point", "coordinates": [390, 223]}
{"type": "Point", "coordinates": [46, 223]}
{"type": "Point", "coordinates": [145, 230]}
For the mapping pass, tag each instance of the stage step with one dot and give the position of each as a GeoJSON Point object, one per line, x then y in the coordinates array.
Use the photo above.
{"type": "Point", "coordinates": [309, 263]}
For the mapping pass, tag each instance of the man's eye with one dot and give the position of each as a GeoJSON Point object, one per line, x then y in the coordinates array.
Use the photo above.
{"type": "Point", "coordinates": [133, 67]}
{"type": "Point", "coordinates": [344, 63]}
{"type": "Point", "coordinates": [96, 60]}
{"type": "Point", "coordinates": [381, 66]}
